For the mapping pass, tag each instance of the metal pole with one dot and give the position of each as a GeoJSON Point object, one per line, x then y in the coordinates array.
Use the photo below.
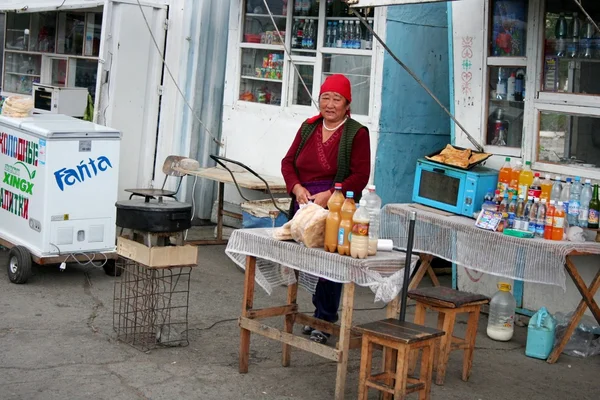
{"type": "Point", "coordinates": [409, 248]}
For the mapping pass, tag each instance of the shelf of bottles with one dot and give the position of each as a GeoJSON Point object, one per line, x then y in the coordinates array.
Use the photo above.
{"type": "Point", "coordinates": [258, 24]}
{"type": "Point", "coordinates": [261, 78]}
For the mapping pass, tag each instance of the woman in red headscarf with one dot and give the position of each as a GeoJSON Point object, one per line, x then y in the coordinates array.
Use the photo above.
{"type": "Point", "coordinates": [328, 148]}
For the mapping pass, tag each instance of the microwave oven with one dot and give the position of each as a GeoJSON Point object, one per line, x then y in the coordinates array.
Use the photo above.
{"type": "Point", "coordinates": [69, 101]}
{"type": "Point", "coordinates": [452, 189]}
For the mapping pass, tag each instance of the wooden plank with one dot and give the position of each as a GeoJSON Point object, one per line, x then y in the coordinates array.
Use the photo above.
{"type": "Point", "coordinates": [400, 387]}
{"type": "Point", "coordinates": [247, 302]}
{"type": "Point", "coordinates": [288, 323]}
{"type": "Point", "coordinates": [157, 257]}
{"type": "Point", "coordinates": [319, 324]}
{"type": "Point", "coordinates": [434, 279]}
{"type": "Point", "coordinates": [586, 294]}
{"type": "Point", "coordinates": [344, 339]}
{"type": "Point", "coordinates": [244, 178]}
{"type": "Point", "coordinates": [445, 347]}
{"type": "Point", "coordinates": [470, 336]}
{"type": "Point", "coordinates": [272, 311]}
{"type": "Point", "coordinates": [425, 264]}
{"type": "Point", "coordinates": [427, 369]}
{"type": "Point", "coordinates": [366, 360]}
{"type": "Point", "coordinates": [405, 332]}
{"type": "Point", "coordinates": [288, 338]}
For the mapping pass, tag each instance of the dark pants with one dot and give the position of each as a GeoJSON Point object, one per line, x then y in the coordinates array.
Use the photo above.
{"type": "Point", "coordinates": [327, 299]}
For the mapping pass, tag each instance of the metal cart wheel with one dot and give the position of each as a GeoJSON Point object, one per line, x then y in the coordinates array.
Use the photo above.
{"type": "Point", "coordinates": [19, 265]}
{"type": "Point", "coordinates": [111, 268]}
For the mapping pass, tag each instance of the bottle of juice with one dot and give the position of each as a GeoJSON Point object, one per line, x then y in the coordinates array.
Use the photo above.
{"type": "Point", "coordinates": [359, 245]}
{"type": "Point", "coordinates": [546, 188]}
{"type": "Point", "coordinates": [346, 212]}
{"type": "Point", "coordinates": [332, 224]}
{"type": "Point", "coordinates": [594, 209]}
{"type": "Point", "coordinates": [558, 227]}
{"type": "Point", "coordinates": [504, 176]}
{"type": "Point", "coordinates": [514, 180]}
{"type": "Point", "coordinates": [525, 179]}
{"type": "Point", "coordinates": [549, 220]}
{"type": "Point", "coordinates": [519, 213]}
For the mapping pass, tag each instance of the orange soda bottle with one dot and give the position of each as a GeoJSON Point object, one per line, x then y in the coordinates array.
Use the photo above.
{"type": "Point", "coordinates": [558, 228]}
{"type": "Point", "coordinates": [546, 188]}
{"type": "Point", "coordinates": [549, 220]}
{"type": "Point", "coordinates": [346, 224]}
{"type": "Point", "coordinates": [513, 186]}
{"type": "Point", "coordinates": [525, 178]}
{"type": "Point", "coordinates": [332, 223]}
{"type": "Point", "coordinates": [504, 176]}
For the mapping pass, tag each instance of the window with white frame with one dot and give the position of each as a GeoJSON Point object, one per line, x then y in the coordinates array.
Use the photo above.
{"type": "Point", "coordinates": [324, 37]}
{"type": "Point", "coordinates": [541, 88]}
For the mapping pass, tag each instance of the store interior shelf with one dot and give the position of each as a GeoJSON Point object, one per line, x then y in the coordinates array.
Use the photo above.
{"type": "Point", "coordinates": [511, 103]}
{"type": "Point", "coordinates": [346, 52]}
{"type": "Point", "coordinates": [583, 60]}
{"type": "Point", "coordinates": [507, 61]}
{"type": "Point", "coordinates": [35, 53]}
{"type": "Point", "coordinates": [305, 50]}
{"type": "Point", "coordinates": [355, 75]}
{"type": "Point", "coordinates": [20, 74]}
{"type": "Point", "coordinates": [346, 19]}
{"type": "Point", "coordinates": [261, 46]}
{"type": "Point", "coordinates": [253, 78]}
{"type": "Point", "coordinates": [265, 16]}
{"type": "Point", "coordinates": [300, 17]}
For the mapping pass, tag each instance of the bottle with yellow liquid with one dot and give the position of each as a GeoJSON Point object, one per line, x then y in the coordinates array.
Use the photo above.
{"type": "Point", "coordinates": [346, 224]}
{"type": "Point", "coordinates": [332, 223]}
{"type": "Point", "coordinates": [525, 179]}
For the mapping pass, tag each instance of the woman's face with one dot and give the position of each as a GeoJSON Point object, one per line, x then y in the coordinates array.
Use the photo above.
{"type": "Point", "coordinates": [333, 106]}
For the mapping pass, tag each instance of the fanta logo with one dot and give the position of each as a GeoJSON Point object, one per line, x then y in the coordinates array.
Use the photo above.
{"type": "Point", "coordinates": [89, 170]}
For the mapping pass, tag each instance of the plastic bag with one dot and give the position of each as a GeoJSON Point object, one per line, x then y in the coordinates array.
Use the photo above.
{"type": "Point", "coordinates": [585, 340]}
{"type": "Point", "coordinates": [308, 225]}
{"type": "Point", "coordinates": [17, 107]}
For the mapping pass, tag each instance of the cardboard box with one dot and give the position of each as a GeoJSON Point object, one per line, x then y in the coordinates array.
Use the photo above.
{"type": "Point", "coordinates": [157, 257]}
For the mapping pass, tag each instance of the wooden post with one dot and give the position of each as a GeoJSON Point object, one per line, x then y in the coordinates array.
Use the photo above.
{"type": "Point", "coordinates": [366, 359]}
{"type": "Point", "coordinates": [247, 304]}
{"type": "Point", "coordinates": [401, 372]}
{"type": "Point", "coordinates": [423, 269]}
{"type": "Point", "coordinates": [445, 346]}
{"type": "Point", "coordinates": [288, 322]}
{"type": "Point", "coordinates": [470, 337]}
{"type": "Point", "coordinates": [344, 339]}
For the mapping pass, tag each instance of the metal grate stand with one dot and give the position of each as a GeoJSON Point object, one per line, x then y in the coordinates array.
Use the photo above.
{"type": "Point", "coordinates": [150, 306]}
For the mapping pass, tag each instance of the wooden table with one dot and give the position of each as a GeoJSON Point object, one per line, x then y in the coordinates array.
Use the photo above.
{"type": "Point", "coordinates": [244, 180]}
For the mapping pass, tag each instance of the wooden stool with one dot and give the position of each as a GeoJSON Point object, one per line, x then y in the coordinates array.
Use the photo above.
{"type": "Point", "coordinates": [398, 339]}
{"type": "Point", "coordinates": [448, 303]}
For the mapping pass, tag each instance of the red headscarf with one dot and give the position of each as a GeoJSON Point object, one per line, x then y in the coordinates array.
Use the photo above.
{"type": "Point", "coordinates": [337, 83]}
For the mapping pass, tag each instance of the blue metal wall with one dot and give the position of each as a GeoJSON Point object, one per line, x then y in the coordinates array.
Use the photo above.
{"type": "Point", "coordinates": [411, 123]}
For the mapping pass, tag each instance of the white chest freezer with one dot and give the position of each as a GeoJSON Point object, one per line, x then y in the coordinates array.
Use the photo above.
{"type": "Point", "coordinates": [59, 184]}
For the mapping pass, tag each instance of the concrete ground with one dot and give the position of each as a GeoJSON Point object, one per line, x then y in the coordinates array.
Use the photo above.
{"type": "Point", "coordinates": [57, 342]}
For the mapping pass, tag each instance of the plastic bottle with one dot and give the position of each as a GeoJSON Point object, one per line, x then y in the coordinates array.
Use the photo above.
{"type": "Point", "coordinates": [535, 189]}
{"type": "Point", "coordinates": [540, 223]}
{"type": "Point", "coordinates": [511, 87]}
{"type": "Point", "coordinates": [519, 85]}
{"type": "Point", "coordinates": [558, 225]}
{"type": "Point", "coordinates": [587, 41]}
{"type": "Point", "coordinates": [332, 223]}
{"type": "Point", "coordinates": [533, 215]}
{"type": "Point", "coordinates": [357, 35]}
{"type": "Point", "coordinates": [574, 34]}
{"type": "Point", "coordinates": [549, 220]}
{"type": "Point", "coordinates": [586, 197]}
{"type": "Point", "coordinates": [504, 175]}
{"type": "Point", "coordinates": [560, 31]}
{"type": "Point", "coordinates": [574, 202]}
{"type": "Point", "coordinates": [556, 189]}
{"type": "Point", "coordinates": [525, 179]}
{"type": "Point", "coordinates": [346, 213]}
{"type": "Point", "coordinates": [514, 180]}
{"type": "Point", "coordinates": [359, 245]}
{"type": "Point", "coordinates": [374, 208]}
{"type": "Point", "coordinates": [520, 210]}
{"type": "Point", "coordinates": [526, 213]}
{"type": "Point", "coordinates": [369, 38]}
{"type": "Point", "coordinates": [500, 86]}
{"type": "Point", "coordinates": [565, 194]}
{"type": "Point", "coordinates": [346, 38]}
{"type": "Point", "coordinates": [511, 212]}
{"type": "Point", "coordinates": [546, 185]}
{"type": "Point", "coordinates": [594, 211]}
{"type": "Point", "coordinates": [339, 43]}
{"type": "Point", "coordinates": [329, 37]}
{"type": "Point", "coordinates": [501, 321]}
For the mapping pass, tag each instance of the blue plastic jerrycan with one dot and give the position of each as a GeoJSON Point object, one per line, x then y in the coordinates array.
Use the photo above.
{"type": "Point", "coordinates": [540, 335]}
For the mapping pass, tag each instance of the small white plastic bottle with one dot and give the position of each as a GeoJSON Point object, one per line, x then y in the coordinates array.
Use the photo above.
{"type": "Point", "coordinates": [501, 321]}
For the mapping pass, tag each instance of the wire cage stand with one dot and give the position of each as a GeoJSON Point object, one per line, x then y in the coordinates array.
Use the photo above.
{"type": "Point", "coordinates": [150, 306]}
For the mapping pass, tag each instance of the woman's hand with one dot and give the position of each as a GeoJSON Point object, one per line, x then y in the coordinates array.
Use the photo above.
{"type": "Point", "coordinates": [321, 198]}
{"type": "Point", "coordinates": [302, 195]}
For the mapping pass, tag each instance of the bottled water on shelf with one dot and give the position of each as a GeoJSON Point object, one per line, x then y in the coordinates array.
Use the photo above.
{"type": "Point", "coordinates": [586, 197]}
{"type": "Point", "coordinates": [574, 202]}
{"type": "Point", "coordinates": [328, 37]}
{"type": "Point", "coordinates": [339, 43]}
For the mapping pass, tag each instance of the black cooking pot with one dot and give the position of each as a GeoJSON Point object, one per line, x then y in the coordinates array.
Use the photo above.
{"type": "Point", "coordinates": [154, 216]}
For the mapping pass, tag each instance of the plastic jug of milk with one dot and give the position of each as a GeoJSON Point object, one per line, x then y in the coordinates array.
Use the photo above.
{"type": "Point", "coordinates": [540, 335]}
{"type": "Point", "coordinates": [501, 321]}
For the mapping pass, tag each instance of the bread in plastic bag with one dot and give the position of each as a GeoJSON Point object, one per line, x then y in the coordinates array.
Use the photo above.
{"type": "Point", "coordinates": [284, 232]}
{"type": "Point", "coordinates": [17, 107]}
{"type": "Point", "coordinates": [302, 217]}
{"type": "Point", "coordinates": [314, 232]}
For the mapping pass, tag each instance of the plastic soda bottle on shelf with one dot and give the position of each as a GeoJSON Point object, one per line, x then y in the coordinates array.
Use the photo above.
{"type": "Point", "coordinates": [533, 214]}
{"type": "Point", "coordinates": [504, 175]}
{"type": "Point", "coordinates": [548, 227]}
{"type": "Point", "coordinates": [374, 208]}
{"type": "Point", "coordinates": [541, 219]}
{"type": "Point", "coordinates": [593, 213]}
{"type": "Point", "coordinates": [574, 202]}
{"type": "Point", "coordinates": [560, 31]}
{"type": "Point", "coordinates": [526, 213]}
{"type": "Point", "coordinates": [586, 197]}
{"type": "Point", "coordinates": [511, 212]}
{"type": "Point", "coordinates": [535, 189]}
{"type": "Point", "coordinates": [514, 180]}
{"type": "Point", "coordinates": [556, 189]}
{"type": "Point", "coordinates": [558, 225]}
{"type": "Point", "coordinates": [565, 194]}
{"type": "Point", "coordinates": [346, 212]}
{"type": "Point", "coordinates": [520, 210]}
{"type": "Point", "coordinates": [525, 179]}
{"type": "Point", "coordinates": [332, 223]}
{"type": "Point", "coordinates": [359, 245]}
{"type": "Point", "coordinates": [546, 185]}
{"type": "Point", "coordinates": [502, 314]}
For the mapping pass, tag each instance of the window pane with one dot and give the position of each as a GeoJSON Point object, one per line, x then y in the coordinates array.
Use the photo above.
{"type": "Point", "coordinates": [305, 27]}
{"type": "Point", "coordinates": [43, 32]}
{"type": "Point", "coordinates": [572, 51]}
{"type": "Point", "coordinates": [258, 26]}
{"type": "Point", "coordinates": [261, 76]}
{"type": "Point", "coordinates": [59, 72]}
{"type": "Point", "coordinates": [509, 29]}
{"type": "Point", "coordinates": [299, 94]}
{"type": "Point", "coordinates": [15, 31]}
{"type": "Point", "coordinates": [506, 106]}
{"type": "Point", "coordinates": [358, 70]}
{"type": "Point", "coordinates": [569, 139]}
{"type": "Point", "coordinates": [71, 32]}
